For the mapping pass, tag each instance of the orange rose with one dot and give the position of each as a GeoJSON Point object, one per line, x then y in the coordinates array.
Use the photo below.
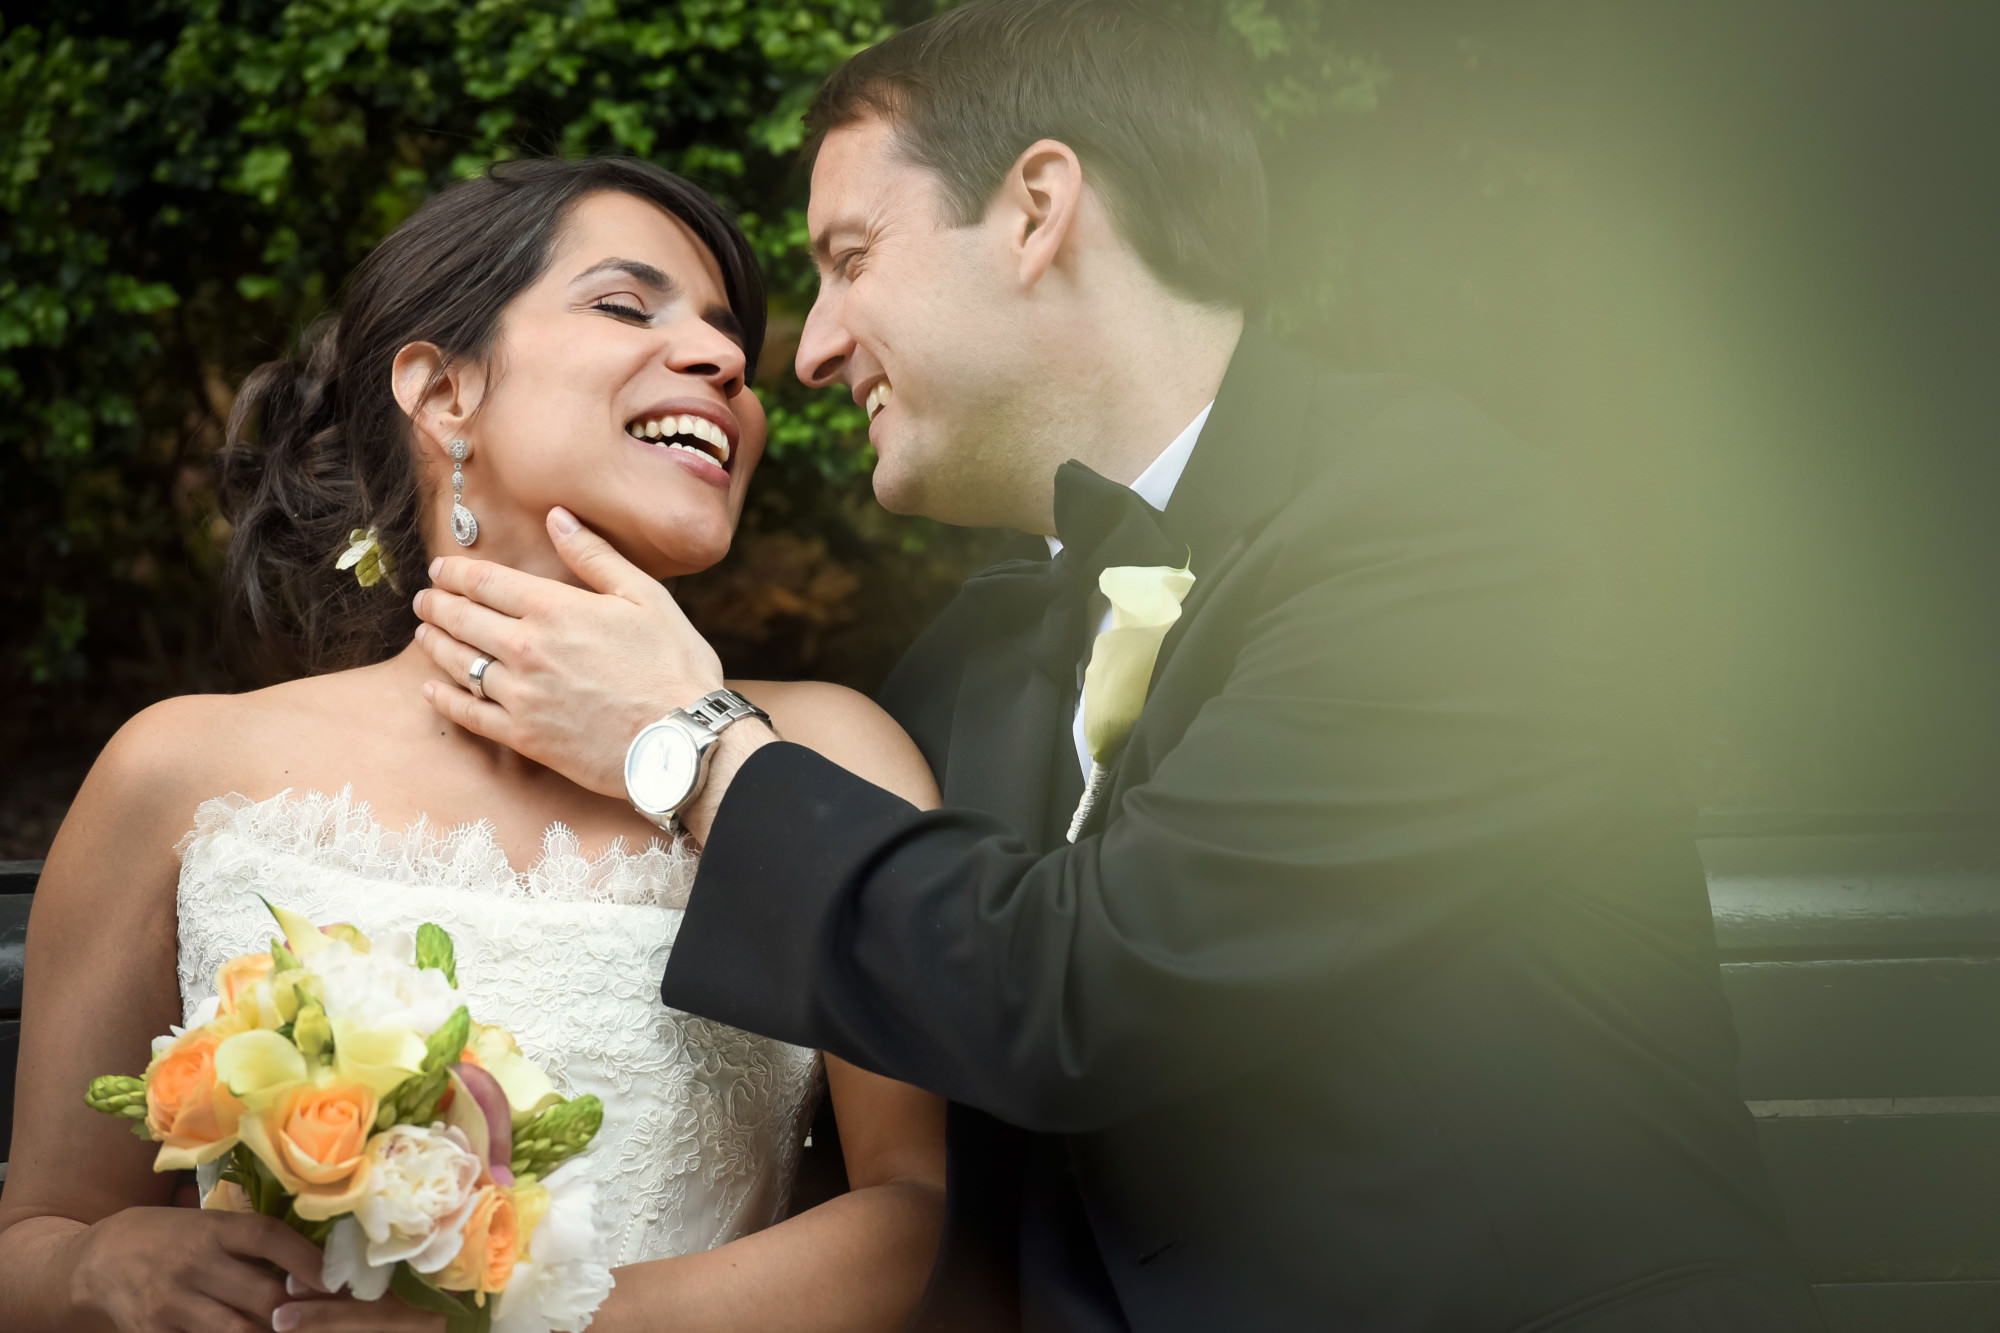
{"type": "Point", "coordinates": [492, 1243]}
{"type": "Point", "coordinates": [192, 1115]}
{"type": "Point", "coordinates": [241, 974]}
{"type": "Point", "coordinates": [315, 1141]}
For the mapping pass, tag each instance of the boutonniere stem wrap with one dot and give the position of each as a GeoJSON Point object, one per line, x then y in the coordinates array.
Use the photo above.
{"type": "Point", "coordinates": [1145, 603]}
{"type": "Point", "coordinates": [368, 558]}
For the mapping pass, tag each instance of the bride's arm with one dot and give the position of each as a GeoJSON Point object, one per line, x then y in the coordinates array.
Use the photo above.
{"type": "Point", "coordinates": [85, 1241]}
{"type": "Point", "coordinates": [859, 1260]}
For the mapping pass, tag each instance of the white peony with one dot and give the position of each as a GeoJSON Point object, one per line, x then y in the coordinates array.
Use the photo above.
{"type": "Point", "coordinates": [562, 1279]}
{"type": "Point", "coordinates": [422, 1182]}
{"type": "Point", "coordinates": [382, 988]}
{"type": "Point", "coordinates": [347, 1263]}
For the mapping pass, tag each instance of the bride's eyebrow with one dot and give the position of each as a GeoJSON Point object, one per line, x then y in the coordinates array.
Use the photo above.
{"type": "Point", "coordinates": [637, 269]}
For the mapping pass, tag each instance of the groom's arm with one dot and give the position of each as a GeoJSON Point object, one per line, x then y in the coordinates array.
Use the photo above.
{"type": "Point", "coordinates": [1400, 754]}
{"type": "Point", "coordinates": [1401, 751]}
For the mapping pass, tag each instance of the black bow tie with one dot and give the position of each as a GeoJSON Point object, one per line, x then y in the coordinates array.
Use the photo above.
{"type": "Point", "coordinates": [1103, 524]}
{"type": "Point", "coordinates": [1100, 524]}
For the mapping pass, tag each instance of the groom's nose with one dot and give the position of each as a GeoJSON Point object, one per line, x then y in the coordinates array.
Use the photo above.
{"type": "Point", "coordinates": [824, 344]}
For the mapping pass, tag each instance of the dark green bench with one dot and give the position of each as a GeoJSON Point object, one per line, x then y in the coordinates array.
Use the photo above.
{"type": "Point", "coordinates": [17, 887]}
{"type": "Point", "coordinates": [1862, 958]}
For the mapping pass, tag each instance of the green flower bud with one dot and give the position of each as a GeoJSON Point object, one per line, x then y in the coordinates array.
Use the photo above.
{"type": "Point", "coordinates": [443, 1047]}
{"type": "Point", "coordinates": [119, 1095]}
{"type": "Point", "coordinates": [312, 1033]}
{"type": "Point", "coordinates": [415, 1100]}
{"type": "Point", "coordinates": [434, 949]}
{"type": "Point", "coordinates": [555, 1135]}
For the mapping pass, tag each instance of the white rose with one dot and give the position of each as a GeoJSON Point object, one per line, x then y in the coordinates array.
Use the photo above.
{"type": "Point", "coordinates": [422, 1182]}
{"type": "Point", "coordinates": [380, 990]}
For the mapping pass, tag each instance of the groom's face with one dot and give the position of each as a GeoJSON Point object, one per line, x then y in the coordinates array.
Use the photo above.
{"type": "Point", "coordinates": [918, 318]}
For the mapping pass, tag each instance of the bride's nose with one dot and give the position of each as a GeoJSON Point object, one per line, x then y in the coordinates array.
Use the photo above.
{"type": "Point", "coordinates": [697, 347]}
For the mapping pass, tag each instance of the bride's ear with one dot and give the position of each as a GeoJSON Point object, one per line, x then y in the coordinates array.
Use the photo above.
{"type": "Point", "coordinates": [438, 396]}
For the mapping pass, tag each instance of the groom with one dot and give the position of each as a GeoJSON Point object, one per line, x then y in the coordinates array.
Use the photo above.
{"type": "Point", "coordinates": [1376, 987]}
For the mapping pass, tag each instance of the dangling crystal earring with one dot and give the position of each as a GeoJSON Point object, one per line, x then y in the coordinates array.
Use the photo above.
{"type": "Point", "coordinates": [464, 527]}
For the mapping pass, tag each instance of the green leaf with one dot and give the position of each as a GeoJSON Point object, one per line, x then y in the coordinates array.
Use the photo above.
{"type": "Point", "coordinates": [461, 1316]}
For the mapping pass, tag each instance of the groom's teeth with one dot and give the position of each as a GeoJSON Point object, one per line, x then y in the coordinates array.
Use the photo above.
{"type": "Point", "coordinates": [878, 398]}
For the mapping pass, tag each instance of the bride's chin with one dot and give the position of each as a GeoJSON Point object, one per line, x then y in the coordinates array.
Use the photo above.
{"type": "Point", "coordinates": [680, 559]}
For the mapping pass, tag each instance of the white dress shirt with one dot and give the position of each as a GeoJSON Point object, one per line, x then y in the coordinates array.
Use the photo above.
{"type": "Point", "coordinates": [1155, 486]}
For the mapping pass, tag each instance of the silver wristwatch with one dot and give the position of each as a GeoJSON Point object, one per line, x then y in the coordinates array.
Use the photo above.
{"type": "Point", "coordinates": [667, 763]}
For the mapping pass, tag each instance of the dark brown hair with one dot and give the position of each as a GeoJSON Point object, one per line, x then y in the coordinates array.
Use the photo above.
{"type": "Point", "coordinates": [1163, 133]}
{"type": "Point", "coordinates": [317, 445]}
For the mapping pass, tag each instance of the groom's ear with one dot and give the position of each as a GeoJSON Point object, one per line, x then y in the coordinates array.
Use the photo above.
{"type": "Point", "coordinates": [1043, 196]}
{"type": "Point", "coordinates": [439, 396]}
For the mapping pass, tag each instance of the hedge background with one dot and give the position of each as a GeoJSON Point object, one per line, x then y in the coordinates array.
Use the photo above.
{"type": "Point", "coordinates": [1732, 262]}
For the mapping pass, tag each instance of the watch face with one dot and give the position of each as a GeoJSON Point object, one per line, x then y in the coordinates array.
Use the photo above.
{"type": "Point", "coordinates": [660, 770]}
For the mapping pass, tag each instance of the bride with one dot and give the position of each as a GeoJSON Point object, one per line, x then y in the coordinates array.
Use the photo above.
{"type": "Point", "coordinates": [578, 335]}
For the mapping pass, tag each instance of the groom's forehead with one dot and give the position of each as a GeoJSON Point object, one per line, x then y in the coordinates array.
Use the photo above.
{"type": "Point", "coordinates": [857, 174]}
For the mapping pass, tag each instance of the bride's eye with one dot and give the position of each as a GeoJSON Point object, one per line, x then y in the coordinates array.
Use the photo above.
{"type": "Point", "coordinates": [623, 311]}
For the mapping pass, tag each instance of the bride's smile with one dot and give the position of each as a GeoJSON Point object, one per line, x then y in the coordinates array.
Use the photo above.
{"type": "Point", "coordinates": [617, 387]}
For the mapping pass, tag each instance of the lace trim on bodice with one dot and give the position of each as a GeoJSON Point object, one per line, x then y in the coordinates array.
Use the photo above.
{"type": "Point", "coordinates": [338, 832]}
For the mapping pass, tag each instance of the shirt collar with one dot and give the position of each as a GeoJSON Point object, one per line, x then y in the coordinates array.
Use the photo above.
{"type": "Point", "coordinates": [1156, 484]}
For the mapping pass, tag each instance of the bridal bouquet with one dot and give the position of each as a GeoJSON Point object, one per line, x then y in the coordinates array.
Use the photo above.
{"type": "Point", "coordinates": [341, 1086]}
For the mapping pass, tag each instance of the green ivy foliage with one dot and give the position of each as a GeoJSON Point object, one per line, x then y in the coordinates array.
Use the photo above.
{"type": "Point", "coordinates": [186, 182]}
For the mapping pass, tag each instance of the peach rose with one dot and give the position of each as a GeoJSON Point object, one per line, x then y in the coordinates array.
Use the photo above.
{"type": "Point", "coordinates": [240, 975]}
{"type": "Point", "coordinates": [492, 1243]}
{"type": "Point", "coordinates": [192, 1115]}
{"type": "Point", "coordinates": [315, 1140]}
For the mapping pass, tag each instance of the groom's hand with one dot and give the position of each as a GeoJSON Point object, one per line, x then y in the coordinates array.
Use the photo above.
{"type": "Point", "coordinates": [575, 673]}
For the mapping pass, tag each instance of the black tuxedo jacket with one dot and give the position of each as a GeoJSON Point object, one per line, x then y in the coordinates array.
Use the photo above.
{"type": "Point", "coordinates": [1380, 991]}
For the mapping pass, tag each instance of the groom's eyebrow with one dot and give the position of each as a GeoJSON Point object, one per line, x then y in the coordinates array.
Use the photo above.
{"type": "Point", "coordinates": [822, 243]}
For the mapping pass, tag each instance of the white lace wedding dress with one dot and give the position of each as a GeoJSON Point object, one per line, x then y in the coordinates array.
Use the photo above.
{"type": "Point", "coordinates": [702, 1122]}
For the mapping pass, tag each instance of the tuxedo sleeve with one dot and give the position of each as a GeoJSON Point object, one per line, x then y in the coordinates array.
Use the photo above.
{"type": "Point", "coordinates": [1400, 748]}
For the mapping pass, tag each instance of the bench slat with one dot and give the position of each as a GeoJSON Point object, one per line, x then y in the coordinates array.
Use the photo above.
{"type": "Point", "coordinates": [1867, 1028]}
{"type": "Point", "coordinates": [1889, 1198]}
{"type": "Point", "coordinates": [1910, 1307]}
{"type": "Point", "coordinates": [10, 1055]}
{"type": "Point", "coordinates": [13, 950]}
{"type": "Point", "coordinates": [1864, 895]}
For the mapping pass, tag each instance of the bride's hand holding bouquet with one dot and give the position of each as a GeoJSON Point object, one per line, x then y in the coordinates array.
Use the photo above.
{"type": "Point", "coordinates": [338, 1084]}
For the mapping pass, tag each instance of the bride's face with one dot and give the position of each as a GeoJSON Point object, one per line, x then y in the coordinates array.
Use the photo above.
{"type": "Point", "coordinates": [615, 389]}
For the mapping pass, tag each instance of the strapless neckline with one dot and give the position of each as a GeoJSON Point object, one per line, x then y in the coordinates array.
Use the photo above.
{"type": "Point", "coordinates": [338, 831]}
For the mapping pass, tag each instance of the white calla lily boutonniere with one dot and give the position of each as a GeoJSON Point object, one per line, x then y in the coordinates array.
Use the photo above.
{"type": "Point", "coordinates": [1145, 603]}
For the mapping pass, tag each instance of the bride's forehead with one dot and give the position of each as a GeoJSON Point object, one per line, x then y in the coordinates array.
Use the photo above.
{"type": "Point", "coordinates": [611, 224]}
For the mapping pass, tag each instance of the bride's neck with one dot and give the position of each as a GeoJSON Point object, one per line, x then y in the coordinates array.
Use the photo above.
{"type": "Point", "coordinates": [402, 679]}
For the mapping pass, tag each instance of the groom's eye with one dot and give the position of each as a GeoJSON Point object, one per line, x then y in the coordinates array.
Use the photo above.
{"type": "Point", "coordinates": [843, 263]}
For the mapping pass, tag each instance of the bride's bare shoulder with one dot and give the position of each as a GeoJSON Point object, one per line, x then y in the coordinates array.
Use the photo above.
{"type": "Point", "coordinates": [178, 752]}
{"type": "Point", "coordinates": [847, 727]}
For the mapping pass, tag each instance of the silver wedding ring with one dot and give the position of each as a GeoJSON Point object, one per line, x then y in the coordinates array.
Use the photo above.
{"type": "Point", "coordinates": [475, 676]}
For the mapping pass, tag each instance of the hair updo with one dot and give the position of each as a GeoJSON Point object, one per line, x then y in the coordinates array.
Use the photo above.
{"type": "Point", "coordinates": [317, 445]}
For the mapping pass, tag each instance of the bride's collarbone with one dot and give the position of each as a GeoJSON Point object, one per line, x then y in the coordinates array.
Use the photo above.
{"type": "Point", "coordinates": [331, 740]}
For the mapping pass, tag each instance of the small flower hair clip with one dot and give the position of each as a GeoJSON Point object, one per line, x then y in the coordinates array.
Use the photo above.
{"type": "Point", "coordinates": [368, 558]}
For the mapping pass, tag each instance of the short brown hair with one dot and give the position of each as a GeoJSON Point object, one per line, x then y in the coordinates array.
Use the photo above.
{"type": "Point", "coordinates": [1165, 136]}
